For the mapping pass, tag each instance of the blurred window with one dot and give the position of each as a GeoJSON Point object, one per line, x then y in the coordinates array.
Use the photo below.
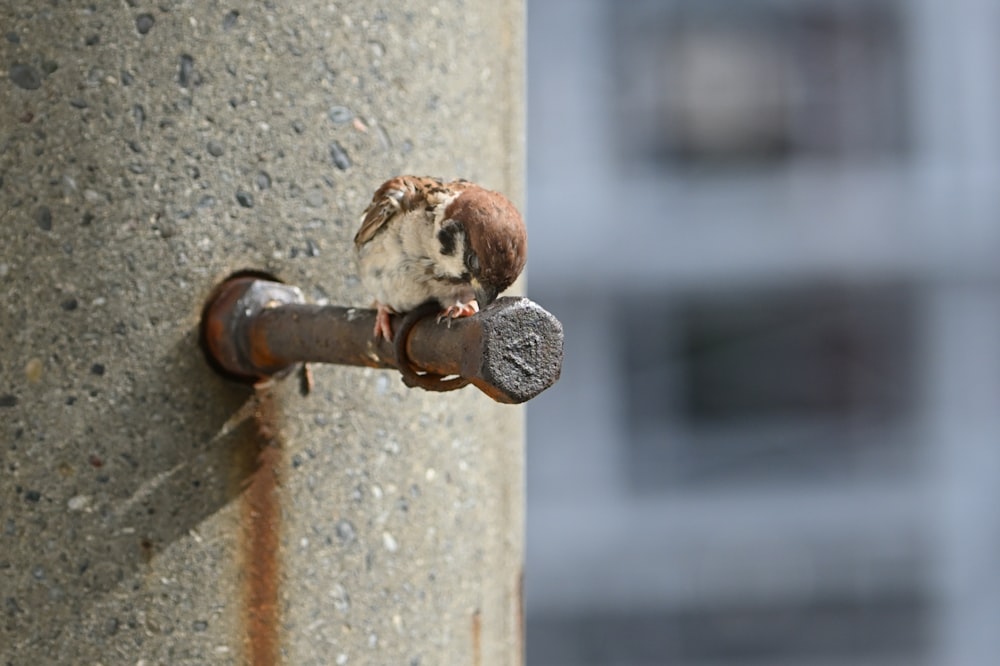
{"type": "Point", "coordinates": [800, 383]}
{"type": "Point", "coordinates": [885, 628]}
{"type": "Point", "coordinates": [759, 81]}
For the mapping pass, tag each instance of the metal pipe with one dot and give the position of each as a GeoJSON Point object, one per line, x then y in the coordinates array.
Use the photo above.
{"type": "Point", "coordinates": [253, 329]}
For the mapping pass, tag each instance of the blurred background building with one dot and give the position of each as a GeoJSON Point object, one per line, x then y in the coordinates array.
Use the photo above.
{"type": "Point", "coordinates": [771, 231]}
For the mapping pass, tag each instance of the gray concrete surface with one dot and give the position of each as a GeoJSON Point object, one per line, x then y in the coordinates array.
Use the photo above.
{"type": "Point", "coordinates": [147, 150]}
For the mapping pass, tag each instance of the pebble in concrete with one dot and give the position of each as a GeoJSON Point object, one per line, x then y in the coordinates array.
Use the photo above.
{"type": "Point", "coordinates": [144, 23]}
{"type": "Point", "coordinates": [25, 76]}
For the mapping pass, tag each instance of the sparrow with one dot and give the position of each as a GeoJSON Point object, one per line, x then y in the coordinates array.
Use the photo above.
{"type": "Point", "coordinates": [424, 239]}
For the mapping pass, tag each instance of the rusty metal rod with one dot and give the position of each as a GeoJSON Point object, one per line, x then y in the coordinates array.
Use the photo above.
{"type": "Point", "coordinates": [253, 329]}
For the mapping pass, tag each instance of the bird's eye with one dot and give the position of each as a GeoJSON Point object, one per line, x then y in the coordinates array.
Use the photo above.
{"type": "Point", "coordinates": [473, 263]}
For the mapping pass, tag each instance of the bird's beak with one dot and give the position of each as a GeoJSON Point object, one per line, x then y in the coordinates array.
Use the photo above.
{"type": "Point", "coordinates": [484, 295]}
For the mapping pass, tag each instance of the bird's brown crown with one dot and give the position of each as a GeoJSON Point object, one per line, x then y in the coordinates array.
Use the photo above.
{"type": "Point", "coordinates": [495, 230]}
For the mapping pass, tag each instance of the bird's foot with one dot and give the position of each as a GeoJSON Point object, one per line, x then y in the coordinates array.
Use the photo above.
{"type": "Point", "coordinates": [459, 309]}
{"type": "Point", "coordinates": [383, 321]}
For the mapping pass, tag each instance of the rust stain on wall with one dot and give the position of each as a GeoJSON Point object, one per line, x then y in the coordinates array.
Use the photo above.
{"type": "Point", "coordinates": [260, 522]}
{"type": "Point", "coordinates": [521, 626]}
{"type": "Point", "coordinates": [477, 638]}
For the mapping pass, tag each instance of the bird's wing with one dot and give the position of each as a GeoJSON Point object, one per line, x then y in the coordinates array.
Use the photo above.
{"type": "Point", "coordinates": [399, 195]}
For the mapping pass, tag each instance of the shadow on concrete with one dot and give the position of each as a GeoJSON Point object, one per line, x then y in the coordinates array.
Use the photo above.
{"type": "Point", "coordinates": [188, 455]}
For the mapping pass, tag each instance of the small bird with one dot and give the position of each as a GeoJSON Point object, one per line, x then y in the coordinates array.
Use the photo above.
{"type": "Point", "coordinates": [422, 238]}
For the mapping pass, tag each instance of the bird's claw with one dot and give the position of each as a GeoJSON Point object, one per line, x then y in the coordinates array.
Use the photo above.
{"type": "Point", "coordinates": [383, 322]}
{"type": "Point", "coordinates": [459, 310]}
{"type": "Point", "coordinates": [383, 317]}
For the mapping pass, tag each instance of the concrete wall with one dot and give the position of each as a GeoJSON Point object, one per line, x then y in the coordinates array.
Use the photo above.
{"type": "Point", "coordinates": [151, 512]}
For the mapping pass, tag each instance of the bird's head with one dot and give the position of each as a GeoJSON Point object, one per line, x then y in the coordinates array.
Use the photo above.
{"type": "Point", "coordinates": [495, 246]}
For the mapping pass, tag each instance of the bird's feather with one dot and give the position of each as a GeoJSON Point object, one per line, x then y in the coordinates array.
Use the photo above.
{"type": "Point", "coordinates": [400, 195]}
